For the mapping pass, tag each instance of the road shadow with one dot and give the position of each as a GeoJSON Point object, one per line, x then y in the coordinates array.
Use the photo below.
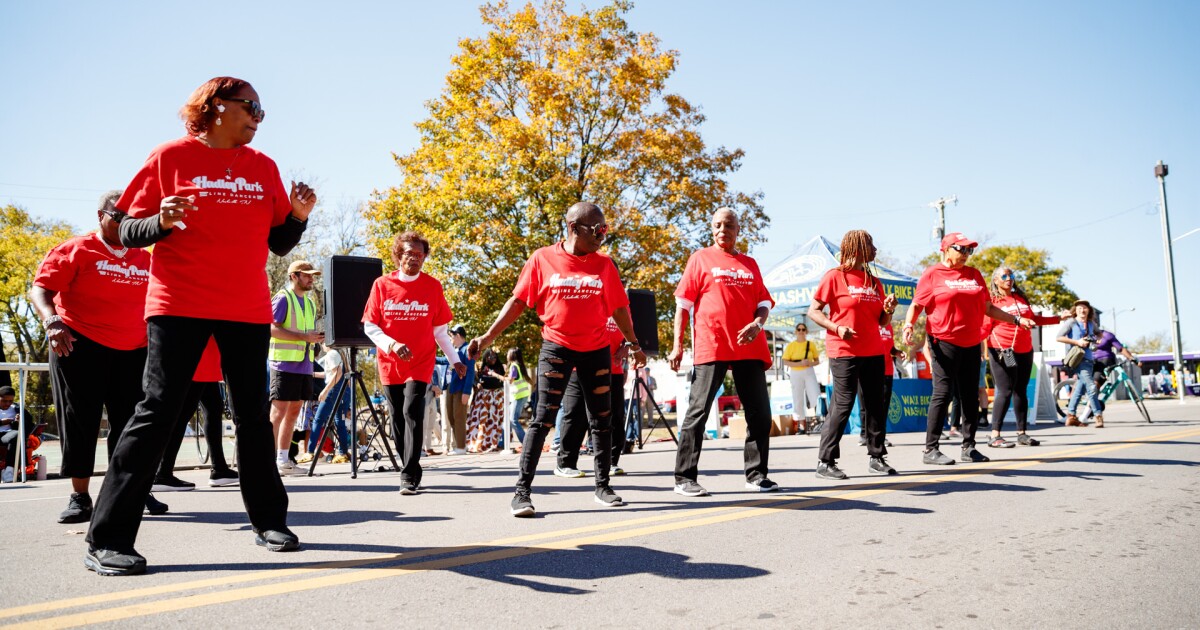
{"type": "Point", "coordinates": [305, 519]}
{"type": "Point", "coordinates": [589, 563]}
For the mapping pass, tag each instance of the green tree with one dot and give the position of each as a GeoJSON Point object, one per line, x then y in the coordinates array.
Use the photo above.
{"type": "Point", "coordinates": [1153, 343]}
{"type": "Point", "coordinates": [546, 109]}
{"type": "Point", "coordinates": [1042, 282]}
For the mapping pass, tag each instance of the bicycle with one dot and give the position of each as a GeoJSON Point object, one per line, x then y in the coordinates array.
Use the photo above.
{"type": "Point", "coordinates": [196, 426]}
{"type": "Point", "coordinates": [1114, 377]}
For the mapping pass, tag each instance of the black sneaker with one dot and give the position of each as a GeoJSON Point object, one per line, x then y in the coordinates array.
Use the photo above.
{"type": "Point", "coordinates": [974, 456]}
{"type": "Point", "coordinates": [112, 562]}
{"type": "Point", "coordinates": [79, 509]}
{"type": "Point", "coordinates": [762, 484]}
{"type": "Point", "coordinates": [522, 506]}
{"type": "Point", "coordinates": [880, 466]}
{"type": "Point", "coordinates": [830, 470]}
{"type": "Point", "coordinates": [171, 484]}
{"type": "Point", "coordinates": [154, 507]}
{"type": "Point", "coordinates": [276, 540]}
{"type": "Point", "coordinates": [606, 496]}
{"type": "Point", "coordinates": [1025, 440]}
{"type": "Point", "coordinates": [936, 458]}
{"type": "Point", "coordinates": [887, 442]}
{"type": "Point", "coordinates": [408, 488]}
{"type": "Point", "coordinates": [690, 489]}
{"type": "Point", "coordinates": [219, 478]}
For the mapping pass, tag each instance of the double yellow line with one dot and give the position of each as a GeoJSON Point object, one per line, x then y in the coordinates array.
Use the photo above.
{"type": "Point", "coordinates": [327, 574]}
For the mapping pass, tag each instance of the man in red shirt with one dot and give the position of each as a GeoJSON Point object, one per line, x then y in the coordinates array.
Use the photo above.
{"type": "Point", "coordinates": [575, 289]}
{"type": "Point", "coordinates": [90, 292]}
{"type": "Point", "coordinates": [724, 291]}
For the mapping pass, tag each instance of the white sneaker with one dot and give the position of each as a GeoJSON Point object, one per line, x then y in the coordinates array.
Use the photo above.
{"type": "Point", "coordinates": [287, 468]}
{"type": "Point", "coordinates": [569, 473]}
{"type": "Point", "coordinates": [458, 451]}
{"type": "Point", "coordinates": [8, 474]}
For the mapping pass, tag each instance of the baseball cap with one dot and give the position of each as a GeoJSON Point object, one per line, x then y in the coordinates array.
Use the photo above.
{"type": "Point", "coordinates": [957, 238]}
{"type": "Point", "coordinates": [460, 331]}
{"type": "Point", "coordinates": [303, 266]}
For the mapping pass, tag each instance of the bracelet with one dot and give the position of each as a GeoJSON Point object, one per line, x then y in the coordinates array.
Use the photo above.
{"type": "Point", "coordinates": [908, 326]}
{"type": "Point", "coordinates": [53, 319]}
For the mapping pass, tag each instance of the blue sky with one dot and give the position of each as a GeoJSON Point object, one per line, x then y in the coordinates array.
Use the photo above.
{"type": "Point", "coordinates": [1045, 118]}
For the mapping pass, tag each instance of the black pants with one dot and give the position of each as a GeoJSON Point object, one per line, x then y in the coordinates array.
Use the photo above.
{"type": "Point", "coordinates": [93, 377]}
{"type": "Point", "coordinates": [206, 396]}
{"type": "Point", "coordinates": [575, 424]}
{"type": "Point", "coordinates": [407, 403]}
{"type": "Point", "coordinates": [887, 402]}
{"type": "Point", "coordinates": [1012, 383]}
{"type": "Point", "coordinates": [852, 375]}
{"type": "Point", "coordinates": [750, 379]}
{"type": "Point", "coordinates": [555, 364]}
{"type": "Point", "coordinates": [10, 443]}
{"type": "Point", "coordinates": [955, 368]}
{"type": "Point", "coordinates": [176, 344]}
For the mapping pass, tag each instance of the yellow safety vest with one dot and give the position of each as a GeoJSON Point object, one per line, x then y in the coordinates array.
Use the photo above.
{"type": "Point", "coordinates": [294, 351]}
{"type": "Point", "coordinates": [521, 387]}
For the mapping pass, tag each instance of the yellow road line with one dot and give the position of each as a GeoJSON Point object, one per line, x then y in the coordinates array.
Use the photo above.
{"type": "Point", "coordinates": [715, 515]}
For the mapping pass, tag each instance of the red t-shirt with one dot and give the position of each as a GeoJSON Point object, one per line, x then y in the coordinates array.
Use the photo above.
{"type": "Point", "coordinates": [855, 301]}
{"type": "Point", "coordinates": [216, 268]}
{"type": "Point", "coordinates": [99, 295]}
{"type": "Point", "coordinates": [1000, 334]}
{"type": "Point", "coordinates": [726, 290]}
{"type": "Point", "coordinates": [885, 339]}
{"type": "Point", "coordinates": [407, 312]}
{"type": "Point", "coordinates": [955, 302]}
{"type": "Point", "coordinates": [209, 369]}
{"type": "Point", "coordinates": [615, 339]}
{"type": "Point", "coordinates": [573, 295]}
{"type": "Point", "coordinates": [923, 370]}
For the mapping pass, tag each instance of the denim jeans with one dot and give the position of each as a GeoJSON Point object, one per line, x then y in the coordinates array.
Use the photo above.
{"type": "Point", "coordinates": [555, 365]}
{"type": "Point", "coordinates": [1085, 381]}
{"type": "Point", "coordinates": [324, 409]}
{"type": "Point", "coordinates": [515, 420]}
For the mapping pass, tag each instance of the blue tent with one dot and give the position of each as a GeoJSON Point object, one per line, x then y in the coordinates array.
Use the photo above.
{"type": "Point", "coordinates": [793, 281]}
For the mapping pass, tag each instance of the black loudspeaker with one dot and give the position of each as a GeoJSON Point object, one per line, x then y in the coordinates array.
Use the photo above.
{"type": "Point", "coordinates": [645, 319]}
{"type": "Point", "coordinates": [348, 281]}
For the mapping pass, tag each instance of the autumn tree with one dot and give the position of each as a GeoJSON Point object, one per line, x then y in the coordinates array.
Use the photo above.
{"type": "Point", "coordinates": [24, 241]}
{"type": "Point", "coordinates": [546, 109]}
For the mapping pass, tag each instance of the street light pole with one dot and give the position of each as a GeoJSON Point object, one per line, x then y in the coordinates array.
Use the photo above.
{"type": "Point", "coordinates": [1160, 172]}
{"type": "Point", "coordinates": [1116, 312]}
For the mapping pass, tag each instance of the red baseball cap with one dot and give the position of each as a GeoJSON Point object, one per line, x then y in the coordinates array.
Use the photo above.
{"type": "Point", "coordinates": [957, 238]}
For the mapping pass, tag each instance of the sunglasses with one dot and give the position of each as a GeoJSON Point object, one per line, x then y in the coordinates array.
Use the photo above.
{"type": "Point", "coordinates": [962, 249]}
{"type": "Point", "coordinates": [1007, 276]}
{"type": "Point", "coordinates": [804, 330]}
{"type": "Point", "coordinates": [256, 110]}
{"type": "Point", "coordinates": [599, 230]}
{"type": "Point", "coordinates": [115, 215]}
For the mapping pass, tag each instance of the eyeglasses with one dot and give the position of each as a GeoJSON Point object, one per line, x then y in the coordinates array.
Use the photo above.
{"type": "Point", "coordinates": [256, 110]}
{"type": "Point", "coordinates": [1007, 276]}
{"type": "Point", "coordinates": [599, 230]}
{"type": "Point", "coordinates": [803, 330]}
{"type": "Point", "coordinates": [962, 249]}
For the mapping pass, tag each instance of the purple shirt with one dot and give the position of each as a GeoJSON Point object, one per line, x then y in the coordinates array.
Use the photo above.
{"type": "Point", "coordinates": [1107, 346]}
{"type": "Point", "coordinates": [279, 308]}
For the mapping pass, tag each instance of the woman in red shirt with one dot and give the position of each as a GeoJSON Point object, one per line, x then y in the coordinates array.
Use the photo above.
{"type": "Point", "coordinates": [1003, 338]}
{"type": "Point", "coordinates": [857, 309]}
{"type": "Point", "coordinates": [956, 299]}
{"type": "Point", "coordinates": [212, 206]}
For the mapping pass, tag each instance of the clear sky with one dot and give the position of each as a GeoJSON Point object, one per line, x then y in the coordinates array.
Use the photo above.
{"type": "Point", "coordinates": [1045, 118]}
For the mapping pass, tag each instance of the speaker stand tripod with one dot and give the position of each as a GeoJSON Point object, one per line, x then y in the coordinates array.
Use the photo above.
{"type": "Point", "coordinates": [346, 388]}
{"type": "Point", "coordinates": [641, 391]}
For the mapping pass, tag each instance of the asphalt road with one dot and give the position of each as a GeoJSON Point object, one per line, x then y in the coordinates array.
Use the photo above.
{"type": "Point", "coordinates": [1095, 528]}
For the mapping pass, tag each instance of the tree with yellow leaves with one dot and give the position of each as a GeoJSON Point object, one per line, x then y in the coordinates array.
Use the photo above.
{"type": "Point", "coordinates": [546, 109]}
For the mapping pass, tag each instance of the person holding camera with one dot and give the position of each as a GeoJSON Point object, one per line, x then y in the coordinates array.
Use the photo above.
{"type": "Point", "coordinates": [1080, 331]}
{"type": "Point", "coordinates": [1010, 355]}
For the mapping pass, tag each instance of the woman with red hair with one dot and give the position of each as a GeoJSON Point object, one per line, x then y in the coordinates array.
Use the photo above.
{"type": "Point", "coordinates": [212, 206]}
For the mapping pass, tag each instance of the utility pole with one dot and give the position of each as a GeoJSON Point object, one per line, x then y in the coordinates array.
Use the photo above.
{"type": "Point", "coordinates": [1160, 172]}
{"type": "Point", "coordinates": [1116, 312]}
{"type": "Point", "coordinates": [940, 206]}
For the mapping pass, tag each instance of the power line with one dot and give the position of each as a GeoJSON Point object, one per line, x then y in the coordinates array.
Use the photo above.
{"type": "Point", "coordinates": [53, 187]}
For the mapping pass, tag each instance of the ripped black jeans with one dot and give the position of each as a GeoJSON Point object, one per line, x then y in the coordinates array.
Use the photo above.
{"type": "Point", "coordinates": [555, 364]}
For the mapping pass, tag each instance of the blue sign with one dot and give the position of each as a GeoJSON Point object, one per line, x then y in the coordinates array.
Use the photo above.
{"type": "Point", "coordinates": [907, 411]}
